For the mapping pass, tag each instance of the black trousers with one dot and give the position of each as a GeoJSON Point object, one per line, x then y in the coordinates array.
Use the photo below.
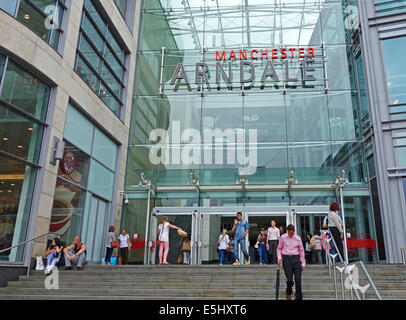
{"type": "Point", "coordinates": [273, 245]}
{"type": "Point", "coordinates": [109, 252]}
{"type": "Point", "coordinates": [293, 269]}
{"type": "Point", "coordinates": [336, 234]}
{"type": "Point", "coordinates": [124, 256]}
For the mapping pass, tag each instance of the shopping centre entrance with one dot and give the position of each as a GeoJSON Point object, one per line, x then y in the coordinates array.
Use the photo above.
{"type": "Point", "coordinates": [204, 226]}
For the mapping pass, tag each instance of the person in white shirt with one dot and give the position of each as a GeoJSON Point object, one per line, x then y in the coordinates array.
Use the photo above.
{"type": "Point", "coordinates": [163, 237]}
{"type": "Point", "coordinates": [125, 246]}
{"type": "Point", "coordinates": [272, 241]}
{"type": "Point", "coordinates": [224, 242]}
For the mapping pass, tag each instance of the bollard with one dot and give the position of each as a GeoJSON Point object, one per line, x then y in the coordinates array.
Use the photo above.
{"type": "Point", "coordinates": [402, 252]}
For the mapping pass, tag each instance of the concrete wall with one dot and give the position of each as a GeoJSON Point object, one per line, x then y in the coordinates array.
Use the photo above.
{"type": "Point", "coordinates": [22, 44]}
{"type": "Point", "coordinates": [391, 196]}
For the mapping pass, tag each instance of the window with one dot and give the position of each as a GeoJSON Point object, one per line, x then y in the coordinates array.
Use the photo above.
{"type": "Point", "coordinates": [23, 107]}
{"type": "Point", "coordinates": [9, 6]}
{"type": "Point", "coordinates": [399, 142]}
{"type": "Point", "coordinates": [100, 58]}
{"type": "Point", "coordinates": [395, 66]}
{"type": "Point", "coordinates": [43, 17]}
{"type": "Point", "coordinates": [390, 6]}
{"type": "Point", "coordinates": [26, 91]}
{"type": "Point", "coordinates": [87, 170]}
{"type": "Point", "coordinates": [122, 6]}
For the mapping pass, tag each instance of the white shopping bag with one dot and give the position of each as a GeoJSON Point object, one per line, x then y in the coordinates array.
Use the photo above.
{"type": "Point", "coordinates": [40, 264]}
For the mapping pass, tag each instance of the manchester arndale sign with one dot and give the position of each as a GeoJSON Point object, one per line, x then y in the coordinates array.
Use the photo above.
{"type": "Point", "coordinates": [248, 64]}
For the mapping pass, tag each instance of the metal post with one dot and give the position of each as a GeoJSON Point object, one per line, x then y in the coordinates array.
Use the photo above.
{"type": "Point", "coordinates": [342, 286]}
{"type": "Point", "coordinates": [146, 246]}
{"type": "Point", "coordinates": [344, 228]}
{"type": "Point", "coordinates": [402, 252]}
{"type": "Point", "coordinates": [161, 80]}
{"type": "Point", "coordinates": [335, 283]}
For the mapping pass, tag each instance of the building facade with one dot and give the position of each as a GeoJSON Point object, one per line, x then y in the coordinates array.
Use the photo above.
{"type": "Point", "coordinates": [121, 112]}
{"type": "Point", "coordinates": [66, 84]}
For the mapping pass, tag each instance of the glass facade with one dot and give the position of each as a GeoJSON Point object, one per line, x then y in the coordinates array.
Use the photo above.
{"type": "Point", "coordinates": [256, 85]}
{"type": "Point", "coordinates": [122, 6]}
{"type": "Point", "coordinates": [86, 179]}
{"type": "Point", "coordinates": [43, 17]}
{"type": "Point", "coordinates": [395, 67]}
{"type": "Point", "coordinates": [101, 58]}
{"type": "Point", "coordinates": [23, 107]}
{"type": "Point", "coordinates": [384, 7]}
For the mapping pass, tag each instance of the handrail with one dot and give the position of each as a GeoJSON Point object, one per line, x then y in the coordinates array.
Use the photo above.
{"type": "Point", "coordinates": [346, 267]}
{"type": "Point", "coordinates": [371, 281]}
{"type": "Point", "coordinates": [27, 241]}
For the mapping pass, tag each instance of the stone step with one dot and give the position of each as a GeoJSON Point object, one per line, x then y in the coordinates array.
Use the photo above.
{"type": "Point", "coordinates": [241, 292]}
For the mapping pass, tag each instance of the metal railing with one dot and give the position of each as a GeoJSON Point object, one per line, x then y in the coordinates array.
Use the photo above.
{"type": "Point", "coordinates": [28, 241]}
{"type": "Point", "coordinates": [347, 269]}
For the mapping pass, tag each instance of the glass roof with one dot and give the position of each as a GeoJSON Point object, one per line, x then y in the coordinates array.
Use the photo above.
{"type": "Point", "coordinates": [197, 24]}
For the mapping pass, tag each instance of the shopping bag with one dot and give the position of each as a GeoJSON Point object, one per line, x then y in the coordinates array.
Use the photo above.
{"type": "Point", "coordinates": [40, 263]}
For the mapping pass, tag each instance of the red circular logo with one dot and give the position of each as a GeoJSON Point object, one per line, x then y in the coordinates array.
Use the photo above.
{"type": "Point", "coordinates": [68, 163]}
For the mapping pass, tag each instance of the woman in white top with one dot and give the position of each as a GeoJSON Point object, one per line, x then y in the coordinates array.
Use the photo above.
{"type": "Point", "coordinates": [125, 246]}
{"type": "Point", "coordinates": [224, 242]}
{"type": "Point", "coordinates": [163, 237]}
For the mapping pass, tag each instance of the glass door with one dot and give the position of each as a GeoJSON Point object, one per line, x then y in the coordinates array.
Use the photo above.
{"type": "Point", "coordinates": [95, 229]}
{"type": "Point", "coordinates": [185, 221]}
{"type": "Point", "coordinates": [209, 228]}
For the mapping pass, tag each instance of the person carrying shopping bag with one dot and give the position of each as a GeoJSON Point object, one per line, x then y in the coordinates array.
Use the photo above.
{"type": "Point", "coordinates": [163, 239]}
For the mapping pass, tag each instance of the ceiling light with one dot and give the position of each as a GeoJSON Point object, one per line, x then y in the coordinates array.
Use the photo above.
{"type": "Point", "coordinates": [30, 129]}
{"type": "Point", "coordinates": [19, 147]}
{"type": "Point", "coordinates": [5, 139]}
{"type": "Point", "coordinates": [396, 102]}
{"type": "Point", "coordinates": [27, 17]}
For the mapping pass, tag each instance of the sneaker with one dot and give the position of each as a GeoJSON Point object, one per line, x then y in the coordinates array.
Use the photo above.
{"type": "Point", "coordinates": [221, 264]}
{"type": "Point", "coordinates": [288, 297]}
{"type": "Point", "coordinates": [260, 263]}
{"type": "Point", "coordinates": [236, 263]}
{"type": "Point", "coordinates": [249, 261]}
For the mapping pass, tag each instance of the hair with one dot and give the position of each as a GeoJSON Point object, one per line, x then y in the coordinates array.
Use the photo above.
{"type": "Point", "coordinates": [124, 229]}
{"type": "Point", "coordinates": [317, 232]}
{"type": "Point", "coordinates": [239, 213]}
{"type": "Point", "coordinates": [112, 229]}
{"type": "Point", "coordinates": [334, 206]}
{"type": "Point", "coordinates": [263, 229]}
{"type": "Point", "coordinates": [165, 219]}
{"type": "Point", "coordinates": [291, 227]}
{"type": "Point", "coordinates": [58, 242]}
{"type": "Point", "coordinates": [223, 233]}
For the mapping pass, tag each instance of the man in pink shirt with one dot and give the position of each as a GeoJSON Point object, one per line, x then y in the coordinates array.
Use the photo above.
{"type": "Point", "coordinates": [291, 255]}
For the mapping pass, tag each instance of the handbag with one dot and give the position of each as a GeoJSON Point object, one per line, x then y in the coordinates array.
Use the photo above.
{"type": "Point", "coordinates": [158, 242]}
{"type": "Point", "coordinates": [115, 244]}
{"type": "Point", "coordinates": [256, 245]}
{"type": "Point", "coordinates": [180, 258]}
{"type": "Point", "coordinates": [312, 244]}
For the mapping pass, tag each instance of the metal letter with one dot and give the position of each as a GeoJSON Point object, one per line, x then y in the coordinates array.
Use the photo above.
{"type": "Point", "coordinates": [177, 76]}
{"type": "Point", "coordinates": [252, 76]}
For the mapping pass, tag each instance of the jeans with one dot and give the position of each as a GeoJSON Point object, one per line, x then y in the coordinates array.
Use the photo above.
{"type": "Point", "coordinates": [109, 252]}
{"type": "Point", "coordinates": [222, 254]}
{"type": "Point", "coordinates": [237, 243]}
{"type": "Point", "coordinates": [263, 253]}
{"type": "Point", "coordinates": [53, 259]}
{"type": "Point", "coordinates": [78, 260]}
{"type": "Point", "coordinates": [317, 257]}
{"type": "Point", "coordinates": [186, 257]}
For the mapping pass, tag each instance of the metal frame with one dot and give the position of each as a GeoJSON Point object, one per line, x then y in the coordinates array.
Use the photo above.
{"type": "Point", "coordinates": [291, 213]}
